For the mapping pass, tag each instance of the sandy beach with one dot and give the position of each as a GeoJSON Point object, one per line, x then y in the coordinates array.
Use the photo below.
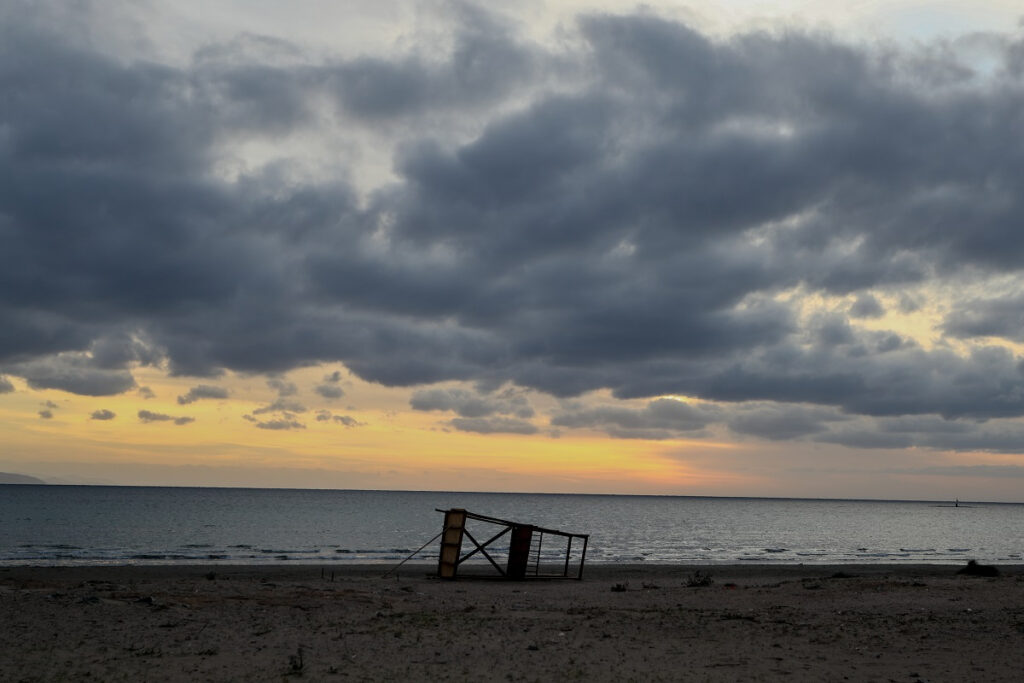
{"type": "Point", "coordinates": [620, 623]}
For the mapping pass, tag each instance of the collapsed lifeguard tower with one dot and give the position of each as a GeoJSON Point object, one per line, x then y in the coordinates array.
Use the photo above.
{"type": "Point", "coordinates": [528, 556]}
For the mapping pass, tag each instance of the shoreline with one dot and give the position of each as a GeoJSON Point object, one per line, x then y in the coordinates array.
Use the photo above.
{"type": "Point", "coordinates": [620, 622]}
{"type": "Point", "coordinates": [596, 570]}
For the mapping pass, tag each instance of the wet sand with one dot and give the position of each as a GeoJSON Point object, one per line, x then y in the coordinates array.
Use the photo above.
{"type": "Point", "coordinates": [620, 623]}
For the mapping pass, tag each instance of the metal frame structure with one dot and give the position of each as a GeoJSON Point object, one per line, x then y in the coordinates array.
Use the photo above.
{"type": "Point", "coordinates": [524, 555]}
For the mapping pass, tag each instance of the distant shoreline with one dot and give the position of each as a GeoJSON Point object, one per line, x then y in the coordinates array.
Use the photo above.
{"type": "Point", "coordinates": [592, 571]}
{"type": "Point", "coordinates": [937, 502]}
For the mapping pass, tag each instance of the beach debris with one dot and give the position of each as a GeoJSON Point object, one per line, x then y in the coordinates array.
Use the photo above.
{"type": "Point", "coordinates": [295, 663]}
{"type": "Point", "coordinates": [525, 550]}
{"type": "Point", "coordinates": [699, 579]}
{"type": "Point", "coordinates": [975, 569]}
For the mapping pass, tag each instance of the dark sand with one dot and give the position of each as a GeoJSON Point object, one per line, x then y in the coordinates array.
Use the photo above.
{"type": "Point", "coordinates": [753, 622]}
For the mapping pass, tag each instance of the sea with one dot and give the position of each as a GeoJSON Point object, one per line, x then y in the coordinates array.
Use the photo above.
{"type": "Point", "coordinates": [118, 525]}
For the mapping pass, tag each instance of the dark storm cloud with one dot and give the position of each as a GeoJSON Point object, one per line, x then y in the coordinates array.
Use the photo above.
{"type": "Point", "coordinates": [485, 62]}
{"type": "Point", "coordinates": [866, 306]}
{"type": "Point", "coordinates": [631, 211]}
{"type": "Point", "coordinates": [202, 391]}
{"type": "Point", "coordinates": [102, 414]}
{"type": "Point", "coordinates": [782, 422]}
{"type": "Point", "coordinates": [1002, 317]}
{"type": "Point", "coordinates": [73, 372]}
{"type": "Point", "coordinates": [150, 416]}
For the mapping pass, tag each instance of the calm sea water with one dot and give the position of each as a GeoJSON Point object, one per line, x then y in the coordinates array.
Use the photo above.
{"type": "Point", "coordinates": [54, 525]}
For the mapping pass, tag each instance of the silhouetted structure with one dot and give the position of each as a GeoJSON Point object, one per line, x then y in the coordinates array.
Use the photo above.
{"type": "Point", "coordinates": [525, 551]}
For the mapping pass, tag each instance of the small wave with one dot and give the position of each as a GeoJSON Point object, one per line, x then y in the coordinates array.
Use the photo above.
{"type": "Point", "coordinates": [197, 545]}
{"type": "Point", "coordinates": [958, 550]}
{"type": "Point", "coordinates": [917, 550]}
{"type": "Point", "coordinates": [775, 550]}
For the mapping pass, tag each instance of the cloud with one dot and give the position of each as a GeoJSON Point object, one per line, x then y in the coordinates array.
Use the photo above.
{"type": "Point", "coordinates": [102, 414]}
{"type": "Point", "coordinates": [641, 209]}
{"type": "Point", "coordinates": [149, 416]}
{"type": "Point", "coordinates": [46, 414]}
{"type": "Point", "coordinates": [280, 425]}
{"type": "Point", "coordinates": [75, 373]}
{"type": "Point", "coordinates": [992, 317]}
{"type": "Point", "coordinates": [469, 404]}
{"type": "Point", "coordinates": [202, 391]}
{"type": "Point", "coordinates": [659, 419]}
{"type": "Point", "coordinates": [866, 306]}
{"type": "Point", "coordinates": [329, 391]}
{"type": "Point", "coordinates": [281, 405]}
{"type": "Point", "coordinates": [493, 425]}
{"type": "Point", "coordinates": [282, 387]}
{"type": "Point", "coordinates": [5, 385]}
{"type": "Point", "coordinates": [996, 471]}
{"type": "Point", "coordinates": [782, 422]}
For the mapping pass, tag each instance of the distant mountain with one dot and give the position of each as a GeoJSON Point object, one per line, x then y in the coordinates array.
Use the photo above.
{"type": "Point", "coordinates": [10, 478]}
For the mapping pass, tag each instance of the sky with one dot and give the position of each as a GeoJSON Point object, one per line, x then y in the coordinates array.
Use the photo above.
{"type": "Point", "coordinates": [748, 249]}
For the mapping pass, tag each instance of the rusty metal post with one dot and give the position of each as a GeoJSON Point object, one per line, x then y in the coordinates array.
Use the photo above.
{"type": "Point", "coordinates": [451, 543]}
{"type": "Point", "coordinates": [519, 551]}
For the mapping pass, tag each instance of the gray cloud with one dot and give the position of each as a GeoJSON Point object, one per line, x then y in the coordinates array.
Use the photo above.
{"type": "Point", "coordinates": [282, 405]}
{"type": "Point", "coordinates": [278, 425]}
{"type": "Point", "coordinates": [202, 391]}
{"type": "Point", "coordinates": [329, 391]}
{"type": "Point", "coordinates": [46, 414]}
{"type": "Point", "coordinates": [659, 419]}
{"type": "Point", "coordinates": [282, 387]}
{"type": "Point", "coordinates": [150, 416]}
{"type": "Point", "coordinates": [493, 425]}
{"type": "Point", "coordinates": [997, 471]}
{"type": "Point", "coordinates": [471, 405]}
{"type": "Point", "coordinates": [997, 317]}
{"type": "Point", "coordinates": [866, 306]}
{"type": "Point", "coordinates": [5, 385]}
{"type": "Point", "coordinates": [782, 422]}
{"type": "Point", "coordinates": [631, 212]}
{"type": "Point", "coordinates": [102, 414]}
{"type": "Point", "coordinates": [73, 372]}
